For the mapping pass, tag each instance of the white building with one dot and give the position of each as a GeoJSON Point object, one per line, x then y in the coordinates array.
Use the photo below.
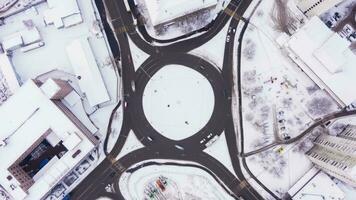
{"type": "Point", "coordinates": [41, 140]}
{"type": "Point", "coordinates": [25, 37]}
{"type": "Point", "coordinates": [165, 11]}
{"type": "Point", "coordinates": [86, 69]}
{"type": "Point", "coordinates": [336, 155]}
{"type": "Point", "coordinates": [315, 7]}
{"type": "Point", "coordinates": [325, 57]}
{"type": "Point", "coordinates": [315, 185]}
{"type": "Point", "coordinates": [63, 13]}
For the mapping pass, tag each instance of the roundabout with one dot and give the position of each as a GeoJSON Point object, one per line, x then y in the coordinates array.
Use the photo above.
{"type": "Point", "coordinates": [203, 95]}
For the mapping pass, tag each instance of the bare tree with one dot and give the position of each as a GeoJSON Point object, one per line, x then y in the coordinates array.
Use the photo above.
{"type": "Point", "coordinates": [319, 106]}
{"type": "Point", "coordinates": [249, 51]}
{"type": "Point", "coordinates": [282, 17]}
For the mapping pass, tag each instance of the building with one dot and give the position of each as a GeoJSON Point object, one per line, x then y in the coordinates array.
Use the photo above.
{"type": "Point", "coordinates": [336, 155]}
{"type": "Point", "coordinates": [315, 184]}
{"type": "Point", "coordinates": [41, 140]}
{"type": "Point", "coordinates": [325, 57]}
{"type": "Point", "coordinates": [8, 79]}
{"type": "Point", "coordinates": [63, 13]}
{"type": "Point", "coordinates": [315, 7]}
{"type": "Point", "coordinates": [22, 38]}
{"type": "Point", "coordinates": [86, 69]}
{"type": "Point", "coordinates": [166, 11]}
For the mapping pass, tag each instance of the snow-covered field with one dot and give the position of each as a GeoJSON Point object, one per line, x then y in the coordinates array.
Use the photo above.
{"type": "Point", "coordinates": [278, 100]}
{"type": "Point", "coordinates": [189, 183]}
{"type": "Point", "coordinates": [178, 101]}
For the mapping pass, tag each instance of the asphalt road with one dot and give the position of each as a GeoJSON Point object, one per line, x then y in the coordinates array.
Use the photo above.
{"type": "Point", "coordinates": [156, 145]}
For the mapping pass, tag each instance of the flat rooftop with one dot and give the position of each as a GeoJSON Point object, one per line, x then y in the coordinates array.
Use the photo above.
{"type": "Point", "coordinates": [25, 117]}
{"type": "Point", "coordinates": [326, 58]}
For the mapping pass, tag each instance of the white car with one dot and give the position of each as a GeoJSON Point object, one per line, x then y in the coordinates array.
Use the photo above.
{"type": "Point", "coordinates": [228, 38]}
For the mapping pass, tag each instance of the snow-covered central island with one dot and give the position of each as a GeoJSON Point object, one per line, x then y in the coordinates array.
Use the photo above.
{"type": "Point", "coordinates": [178, 101]}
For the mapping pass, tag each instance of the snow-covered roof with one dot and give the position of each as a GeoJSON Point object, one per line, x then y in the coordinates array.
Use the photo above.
{"type": "Point", "coordinates": [162, 11]}
{"type": "Point", "coordinates": [25, 118]}
{"type": "Point", "coordinates": [21, 38]}
{"type": "Point", "coordinates": [325, 58]}
{"type": "Point", "coordinates": [315, 7]}
{"type": "Point", "coordinates": [63, 13]}
{"type": "Point", "coordinates": [86, 69]}
{"type": "Point", "coordinates": [313, 184]}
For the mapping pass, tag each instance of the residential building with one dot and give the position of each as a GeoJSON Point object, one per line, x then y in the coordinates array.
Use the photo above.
{"type": "Point", "coordinates": [325, 57]}
{"type": "Point", "coordinates": [41, 140]}
{"type": "Point", "coordinates": [315, 184]}
{"type": "Point", "coordinates": [315, 7]}
{"type": "Point", "coordinates": [336, 155]}
{"type": "Point", "coordinates": [165, 11]}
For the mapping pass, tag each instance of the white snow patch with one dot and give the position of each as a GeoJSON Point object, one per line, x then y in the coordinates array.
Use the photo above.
{"type": "Point", "coordinates": [178, 101]}
{"type": "Point", "coordinates": [214, 49]}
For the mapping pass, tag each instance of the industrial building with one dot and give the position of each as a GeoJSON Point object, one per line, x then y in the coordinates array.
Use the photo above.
{"type": "Point", "coordinates": [325, 57]}
{"type": "Point", "coordinates": [336, 155]}
{"type": "Point", "coordinates": [87, 70]}
{"type": "Point", "coordinates": [315, 7]}
{"type": "Point", "coordinates": [41, 140]}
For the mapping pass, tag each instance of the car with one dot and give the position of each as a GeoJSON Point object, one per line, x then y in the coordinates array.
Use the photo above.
{"type": "Point", "coordinates": [209, 136]}
{"type": "Point", "coordinates": [179, 147]}
{"type": "Point", "coordinates": [133, 86]}
{"type": "Point", "coordinates": [228, 38]}
{"type": "Point", "coordinates": [202, 141]}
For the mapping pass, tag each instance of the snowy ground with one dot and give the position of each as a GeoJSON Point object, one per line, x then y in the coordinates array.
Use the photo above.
{"type": "Point", "coordinates": [278, 99]}
{"type": "Point", "coordinates": [131, 144]}
{"type": "Point", "coordinates": [182, 26]}
{"type": "Point", "coordinates": [190, 183]}
{"type": "Point", "coordinates": [213, 50]}
{"type": "Point", "coordinates": [178, 101]}
{"type": "Point", "coordinates": [138, 56]}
